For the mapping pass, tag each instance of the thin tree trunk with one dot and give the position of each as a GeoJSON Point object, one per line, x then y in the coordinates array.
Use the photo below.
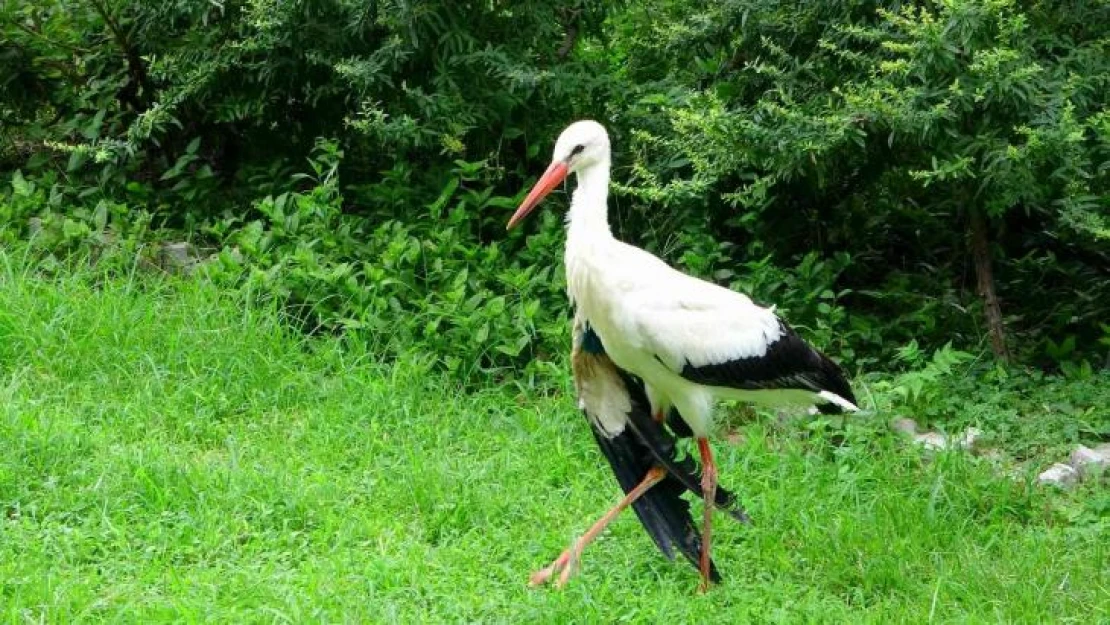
{"type": "Point", "coordinates": [138, 89]}
{"type": "Point", "coordinates": [984, 273]}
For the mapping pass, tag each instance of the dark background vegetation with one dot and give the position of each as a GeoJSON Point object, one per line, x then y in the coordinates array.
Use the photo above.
{"type": "Point", "coordinates": [895, 176]}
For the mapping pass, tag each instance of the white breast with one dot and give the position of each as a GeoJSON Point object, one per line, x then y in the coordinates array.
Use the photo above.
{"type": "Point", "coordinates": [601, 282]}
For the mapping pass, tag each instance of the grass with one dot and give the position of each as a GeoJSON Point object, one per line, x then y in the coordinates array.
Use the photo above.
{"type": "Point", "coordinates": [172, 454]}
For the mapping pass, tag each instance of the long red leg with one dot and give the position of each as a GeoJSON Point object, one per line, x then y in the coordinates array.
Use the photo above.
{"type": "Point", "coordinates": [709, 492]}
{"type": "Point", "coordinates": [565, 562]}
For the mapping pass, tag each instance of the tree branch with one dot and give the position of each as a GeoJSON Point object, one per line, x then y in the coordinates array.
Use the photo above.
{"type": "Point", "coordinates": [36, 34]}
{"type": "Point", "coordinates": [570, 22]}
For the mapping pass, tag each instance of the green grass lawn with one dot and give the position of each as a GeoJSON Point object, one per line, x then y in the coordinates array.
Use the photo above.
{"type": "Point", "coordinates": [168, 453]}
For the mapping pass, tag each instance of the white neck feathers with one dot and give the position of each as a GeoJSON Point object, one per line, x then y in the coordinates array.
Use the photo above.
{"type": "Point", "coordinates": [588, 216]}
{"type": "Point", "coordinates": [588, 232]}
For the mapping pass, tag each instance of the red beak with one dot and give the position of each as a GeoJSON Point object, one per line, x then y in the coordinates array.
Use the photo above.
{"type": "Point", "coordinates": [556, 173]}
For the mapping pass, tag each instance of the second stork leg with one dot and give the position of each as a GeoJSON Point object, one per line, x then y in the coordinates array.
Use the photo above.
{"type": "Point", "coordinates": [709, 492]}
{"type": "Point", "coordinates": [565, 563]}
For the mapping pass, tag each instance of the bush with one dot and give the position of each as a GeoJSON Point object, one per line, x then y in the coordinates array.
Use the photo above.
{"type": "Point", "coordinates": [425, 288]}
{"type": "Point", "coordinates": [885, 174]}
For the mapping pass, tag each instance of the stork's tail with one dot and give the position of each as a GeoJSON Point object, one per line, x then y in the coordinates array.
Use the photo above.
{"type": "Point", "coordinates": [835, 404]}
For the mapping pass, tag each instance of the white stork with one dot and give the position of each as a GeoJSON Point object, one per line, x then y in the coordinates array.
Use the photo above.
{"type": "Point", "coordinates": [690, 341]}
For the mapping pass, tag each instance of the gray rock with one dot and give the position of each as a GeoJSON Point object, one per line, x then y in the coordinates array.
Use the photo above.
{"type": "Point", "coordinates": [1089, 462]}
{"type": "Point", "coordinates": [935, 441]}
{"type": "Point", "coordinates": [177, 256]}
{"type": "Point", "coordinates": [1060, 475]}
{"type": "Point", "coordinates": [904, 425]}
{"type": "Point", "coordinates": [969, 438]}
{"type": "Point", "coordinates": [932, 441]}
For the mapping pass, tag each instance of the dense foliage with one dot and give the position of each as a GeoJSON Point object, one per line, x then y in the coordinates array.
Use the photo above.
{"type": "Point", "coordinates": [888, 173]}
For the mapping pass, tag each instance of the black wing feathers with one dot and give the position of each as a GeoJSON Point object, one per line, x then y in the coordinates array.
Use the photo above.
{"type": "Point", "coordinates": [789, 363]}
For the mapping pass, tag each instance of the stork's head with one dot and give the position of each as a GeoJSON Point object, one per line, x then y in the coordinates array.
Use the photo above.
{"type": "Point", "coordinates": [582, 145]}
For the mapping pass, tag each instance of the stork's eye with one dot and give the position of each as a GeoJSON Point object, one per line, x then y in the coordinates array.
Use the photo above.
{"type": "Point", "coordinates": [577, 150]}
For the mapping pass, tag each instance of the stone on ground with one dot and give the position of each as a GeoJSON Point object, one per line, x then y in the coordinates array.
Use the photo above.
{"type": "Point", "coordinates": [1060, 475]}
{"type": "Point", "coordinates": [904, 425]}
{"type": "Point", "coordinates": [1089, 461]}
{"type": "Point", "coordinates": [932, 441]}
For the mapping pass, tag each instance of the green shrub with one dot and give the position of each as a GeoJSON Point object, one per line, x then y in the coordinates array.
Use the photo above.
{"type": "Point", "coordinates": [429, 289]}
{"type": "Point", "coordinates": [865, 167]}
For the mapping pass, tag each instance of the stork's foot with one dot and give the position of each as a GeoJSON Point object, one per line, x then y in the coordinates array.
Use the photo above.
{"type": "Point", "coordinates": [561, 566]}
{"type": "Point", "coordinates": [566, 563]}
